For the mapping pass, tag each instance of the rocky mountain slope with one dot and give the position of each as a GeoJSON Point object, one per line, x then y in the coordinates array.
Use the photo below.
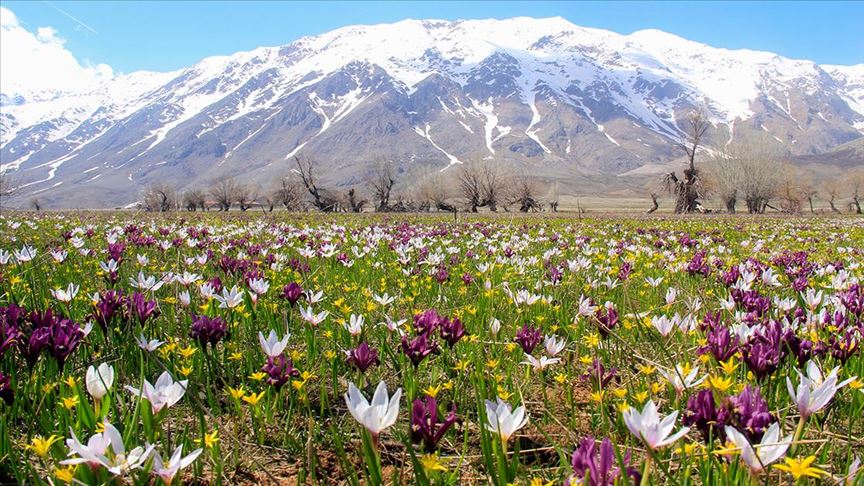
{"type": "Point", "coordinates": [538, 96]}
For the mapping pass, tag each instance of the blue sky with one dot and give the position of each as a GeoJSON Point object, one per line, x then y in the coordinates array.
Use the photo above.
{"type": "Point", "coordinates": [159, 35]}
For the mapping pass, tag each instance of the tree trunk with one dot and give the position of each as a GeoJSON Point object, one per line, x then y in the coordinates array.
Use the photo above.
{"type": "Point", "coordinates": [654, 205]}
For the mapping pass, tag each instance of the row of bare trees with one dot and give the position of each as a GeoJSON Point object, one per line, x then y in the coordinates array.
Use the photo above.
{"type": "Point", "coordinates": [467, 187]}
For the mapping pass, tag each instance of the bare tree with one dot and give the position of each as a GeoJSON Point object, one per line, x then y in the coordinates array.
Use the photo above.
{"type": "Point", "coordinates": [322, 199]}
{"type": "Point", "coordinates": [36, 204]}
{"type": "Point", "coordinates": [287, 194]}
{"type": "Point", "coordinates": [723, 179]}
{"type": "Point", "coordinates": [355, 203]}
{"type": "Point", "coordinates": [480, 184]}
{"type": "Point", "coordinates": [688, 190]}
{"type": "Point", "coordinates": [159, 197]}
{"type": "Point", "coordinates": [523, 193]}
{"type": "Point", "coordinates": [194, 199]}
{"type": "Point", "coordinates": [246, 196]}
{"type": "Point", "coordinates": [224, 192]}
{"type": "Point", "coordinates": [855, 189]}
{"type": "Point", "coordinates": [831, 191]}
{"type": "Point", "coordinates": [553, 196]}
{"type": "Point", "coordinates": [433, 191]}
{"type": "Point", "coordinates": [808, 191]}
{"type": "Point", "coordinates": [382, 183]}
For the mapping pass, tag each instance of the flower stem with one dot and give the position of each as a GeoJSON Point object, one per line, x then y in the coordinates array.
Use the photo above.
{"type": "Point", "coordinates": [798, 433]}
{"type": "Point", "coordinates": [646, 472]}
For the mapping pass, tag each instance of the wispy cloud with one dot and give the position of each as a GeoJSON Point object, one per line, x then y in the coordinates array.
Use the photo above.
{"type": "Point", "coordinates": [74, 19]}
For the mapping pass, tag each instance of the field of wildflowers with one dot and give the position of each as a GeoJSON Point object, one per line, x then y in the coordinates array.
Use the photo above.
{"type": "Point", "coordinates": [338, 350]}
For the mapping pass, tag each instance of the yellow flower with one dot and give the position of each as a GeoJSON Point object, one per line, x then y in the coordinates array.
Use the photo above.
{"type": "Point", "coordinates": [461, 365]}
{"type": "Point", "coordinates": [503, 394]}
{"type": "Point", "coordinates": [258, 376]}
{"type": "Point", "coordinates": [688, 449]}
{"type": "Point", "coordinates": [492, 364]}
{"type": "Point", "coordinates": [539, 482]}
{"type": "Point", "coordinates": [42, 446]}
{"type": "Point", "coordinates": [236, 356]}
{"type": "Point", "coordinates": [329, 354]}
{"type": "Point", "coordinates": [623, 406]}
{"type": "Point", "coordinates": [48, 388]}
{"type": "Point", "coordinates": [855, 384]}
{"type": "Point", "coordinates": [729, 366]}
{"type": "Point", "coordinates": [431, 462]}
{"type": "Point", "coordinates": [186, 370]}
{"type": "Point", "coordinates": [720, 384]}
{"type": "Point", "coordinates": [296, 355]}
{"type": "Point", "coordinates": [656, 388]}
{"type": "Point", "coordinates": [65, 474]}
{"type": "Point", "coordinates": [510, 347]}
{"type": "Point", "coordinates": [591, 340]}
{"type": "Point", "coordinates": [209, 440]}
{"type": "Point", "coordinates": [70, 402]}
{"type": "Point", "coordinates": [597, 396]}
{"type": "Point", "coordinates": [586, 360]}
{"type": "Point", "coordinates": [704, 358]}
{"type": "Point", "coordinates": [187, 352]}
{"type": "Point", "coordinates": [799, 468]}
{"type": "Point", "coordinates": [647, 369]}
{"type": "Point", "coordinates": [432, 391]}
{"type": "Point", "coordinates": [620, 392]}
{"type": "Point", "coordinates": [236, 393]}
{"type": "Point", "coordinates": [560, 378]}
{"type": "Point", "coordinates": [70, 381]}
{"type": "Point", "coordinates": [253, 399]}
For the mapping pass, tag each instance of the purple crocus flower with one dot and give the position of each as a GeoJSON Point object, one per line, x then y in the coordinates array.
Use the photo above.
{"type": "Point", "coordinates": [529, 337]}
{"type": "Point", "coordinates": [441, 275]}
{"type": "Point", "coordinates": [427, 322]}
{"type": "Point", "coordinates": [418, 348]}
{"type": "Point", "coordinates": [292, 293]}
{"type": "Point", "coordinates": [761, 358]}
{"type": "Point", "coordinates": [607, 318]}
{"type": "Point", "coordinates": [425, 425]}
{"type": "Point", "coordinates": [7, 394]}
{"type": "Point", "coordinates": [208, 330]}
{"type": "Point", "coordinates": [64, 338]}
{"type": "Point", "coordinates": [722, 343]}
{"type": "Point", "coordinates": [141, 308]}
{"type": "Point", "coordinates": [703, 413]}
{"type": "Point", "coordinates": [598, 376]}
{"type": "Point", "coordinates": [750, 412]}
{"type": "Point", "coordinates": [107, 307]}
{"type": "Point", "coordinates": [598, 467]}
{"type": "Point", "coordinates": [625, 271]}
{"type": "Point", "coordinates": [279, 371]}
{"type": "Point", "coordinates": [451, 330]}
{"type": "Point", "coordinates": [362, 357]}
{"type": "Point", "coordinates": [10, 334]}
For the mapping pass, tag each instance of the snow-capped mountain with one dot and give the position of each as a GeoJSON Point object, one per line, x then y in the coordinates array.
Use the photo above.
{"type": "Point", "coordinates": [541, 96]}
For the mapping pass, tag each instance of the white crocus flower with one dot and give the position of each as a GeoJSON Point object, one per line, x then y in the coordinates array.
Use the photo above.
{"type": "Point", "coordinates": [812, 298]}
{"type": "Point", "coordinates": [314, 297]}
{"type": "Point", "coordinates": [149, 346]}
{"type": "Point", "coordinates": [164, 394]}
{"type": "Point", "coordinates": [106, 450]}
{"type": "Point", "coordinates": [384, 300]}
{"type": "Point", "coordinates": [207, 291]}
{"type": "Point", "coordinates": [230, 298]}
{"type": "Point", "coordinates": [355, 325]}
{"type": "Point", "coordinates": [272, 345]}
{"type": "Point", "coordinates": [377, 415]}
{"type": "Point", "coordinates": [671, 295]}
{"type": "Point", "coordinates": [259, 286]}
{"type": "Point", "coordinates": [554, 345]}
{"type": "Point", "coordinates": [108, 267]}
{"type": "Point", "coordinates": [66, 295]}
{"type": "Point", "coordinates": [648, 426]}
{"type": "Point", "coordinates": [654, 282]}
{"type": "Point", "coordinates": [312, 318]}
{"type": "Point", "coordinates": [184, 298]}
{"type": "Point", "coordinates": [815, 392]}
{"type": "Point", "coordinates": [143, 282]}
{"type": "Point", "coordinates": [585, 308]}
{"type": "Point", "coordinates": [99, 380]}
{"type": "Point", "coordinates": [168, 470]}
{"type": "Point", "coordinates": [5, 256]}
{"type": "Point", "coordinates": [539, 364]}
{"type": "Point", "coordinates": [681, 379]}
{"type": "Point", "coordinates": [59, 255]}
{"type": "Point", "coordinates": [503, 420]}
{"type": "Point", "coordinates": [664, 324]}
{"type": "Point", "coordinates": [495, 326]}
{"type": "Point", "coordinates": [759, 456]}
{"type": "Point", "coordinates": [26, 254]}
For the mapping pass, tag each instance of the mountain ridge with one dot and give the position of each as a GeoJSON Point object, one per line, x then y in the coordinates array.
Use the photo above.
{"type": "Point", "coordinates": [541, 96]}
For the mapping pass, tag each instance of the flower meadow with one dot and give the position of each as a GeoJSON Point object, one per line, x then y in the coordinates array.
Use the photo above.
{"type": "Point", "coordinates": [374, 350]}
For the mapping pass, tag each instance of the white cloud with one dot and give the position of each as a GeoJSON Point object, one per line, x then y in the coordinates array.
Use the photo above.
{"type": "Point", "coordinates": [37, 65]}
